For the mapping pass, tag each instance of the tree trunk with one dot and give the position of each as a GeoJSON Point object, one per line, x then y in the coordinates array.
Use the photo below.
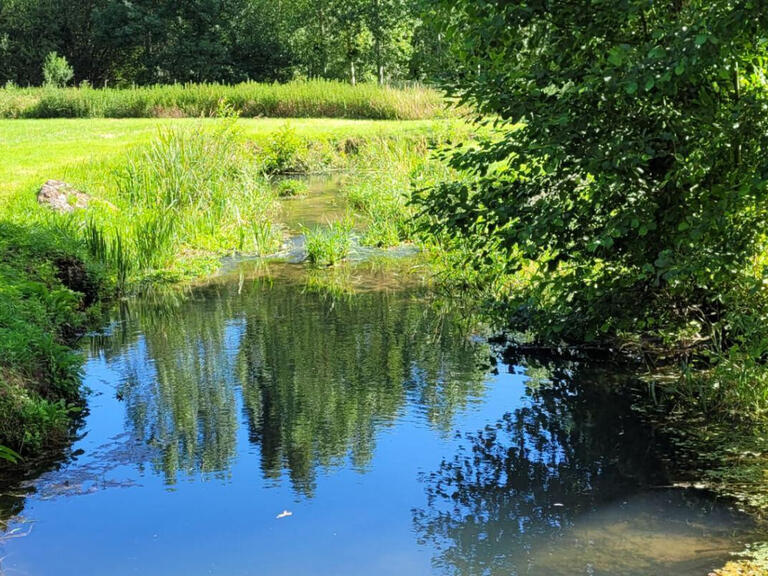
{"type": "Point", "coordinates": [352, 77]}
{"type": "Point", "coordinates": [379, 64]}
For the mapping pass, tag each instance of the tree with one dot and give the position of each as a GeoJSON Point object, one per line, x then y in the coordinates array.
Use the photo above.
{"type": "Point", "coordinates": [156, 41]}
{"type": "Point", "coordinates": [262, 46]}
{"type": "Point", "coordinates": [630, 164]}
{"type": "Point", "coordinates": [56, 70]}
{"type": "Point", "coordinates": [391, 25]}
{"type": "Point", "coordinates": [350, 33]}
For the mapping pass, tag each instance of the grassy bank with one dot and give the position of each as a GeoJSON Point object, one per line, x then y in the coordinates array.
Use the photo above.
{"type": "Point", "coordinates": [46, 291]}
{"type": "Point", "coordinates": [167, 199]}
{"type": "Point", "coordinates": [309, 99]}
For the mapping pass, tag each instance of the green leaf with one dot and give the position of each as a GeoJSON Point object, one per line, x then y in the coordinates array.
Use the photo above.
{"type": "Point", "coordinates": [631, 88]}
{"type": "Point", "coordinates": [616, 56]}
{"type": "Point", "coordinates": [8, 454]}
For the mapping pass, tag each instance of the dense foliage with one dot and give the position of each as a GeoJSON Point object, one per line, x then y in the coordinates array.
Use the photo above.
{"type": "Point", "coordinates": [627, 179]}
{"type": "Point", "coordinates": [45, 288]}
{"type": "Point", "coordinates": [148, 41]}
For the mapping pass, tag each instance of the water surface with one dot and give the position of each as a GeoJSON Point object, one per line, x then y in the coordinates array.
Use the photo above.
{"type": "Point", "coordinates": [371, 418]}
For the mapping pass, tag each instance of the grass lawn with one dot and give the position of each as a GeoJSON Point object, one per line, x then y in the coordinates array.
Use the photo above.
{"type": "Point", "coordinates": [33, 151]}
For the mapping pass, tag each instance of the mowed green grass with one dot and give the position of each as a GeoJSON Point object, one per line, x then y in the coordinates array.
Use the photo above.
{"type": "Point", "coordinates": [28, 147]}
{"type": "Point", "coordinates": [86, 150]}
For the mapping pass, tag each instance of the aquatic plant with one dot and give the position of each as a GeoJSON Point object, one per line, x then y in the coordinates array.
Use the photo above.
{"type": "Point", "coordinates": [328, 245]}
{"type": "Point", "coordinates": [189, 189]}
{"type": "Point", "coordinates": [381, 198]}
{"type": "Point", "coordinates": [291, 187]}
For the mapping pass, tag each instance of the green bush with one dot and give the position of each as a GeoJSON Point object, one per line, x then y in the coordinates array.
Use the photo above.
{"type": "Point", "coordinates": [284, 152]}
{"type": "Point", "coordinates": [290, 187]}
{"type": "Point", "coordinates": [624, 191]}
{"type": "Point", "coordinates": [56, 71]}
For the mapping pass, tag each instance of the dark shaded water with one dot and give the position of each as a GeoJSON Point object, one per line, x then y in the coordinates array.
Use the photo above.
{"type": "Point", "coordinates": [374, 418]}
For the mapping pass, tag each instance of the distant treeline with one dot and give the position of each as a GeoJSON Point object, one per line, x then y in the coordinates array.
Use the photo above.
{"type": "Point", "coordinates": [297, 99]}
{"type": "Point", "coordinates": [117, 42]}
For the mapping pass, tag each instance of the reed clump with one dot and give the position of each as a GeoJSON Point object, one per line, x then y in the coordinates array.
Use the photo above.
{"type": "Point", "coordinates": [190, 191]}
{"type": "Point", "coordinates": [299, 99]}
{"type": "Point", "coordinates": [331, 244]}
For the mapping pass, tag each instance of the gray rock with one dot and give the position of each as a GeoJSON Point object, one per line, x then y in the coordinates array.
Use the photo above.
{"type": "Point", "coordinates": [62, 197]}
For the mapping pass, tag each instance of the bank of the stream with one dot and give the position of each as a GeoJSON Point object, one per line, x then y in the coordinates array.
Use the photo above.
{"type": "Point", "coordinates": [169, 203]}
{"type": "Point", "coordinates": [166, 202]}
{"type": "Point", "coordinates": [367, 425]}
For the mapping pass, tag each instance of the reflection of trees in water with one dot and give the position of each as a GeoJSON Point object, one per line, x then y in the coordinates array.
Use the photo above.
{"type": "Point", "coordinates": [179, 391]}
{"type": "Point", "coordinates": [526, 478]}
{"type": "Point", "coordinates": [318, 376]}
{"type": "Point", "coordinates": [319, 379]}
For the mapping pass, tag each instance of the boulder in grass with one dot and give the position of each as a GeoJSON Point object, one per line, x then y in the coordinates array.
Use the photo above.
{"type": "Point", "coordinates": [62, 197]}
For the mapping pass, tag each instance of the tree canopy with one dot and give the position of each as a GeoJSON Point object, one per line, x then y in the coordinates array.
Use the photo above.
{"type": "Point", "coordinates": [630, 158]}
{"type": "Point", "coordinates": [143, 41]}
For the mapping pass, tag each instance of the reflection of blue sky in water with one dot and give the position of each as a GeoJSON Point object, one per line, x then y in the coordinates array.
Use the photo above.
{"type": "Point", "coordinates": [212, 415]}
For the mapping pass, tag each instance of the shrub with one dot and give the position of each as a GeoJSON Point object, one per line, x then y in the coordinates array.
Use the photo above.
{"type": "Point", "coordinates": [56, 70]}
{"type": "Point", "coordinates": [633, 170]}
{"type": "Point", "coordinates": [284, 152]}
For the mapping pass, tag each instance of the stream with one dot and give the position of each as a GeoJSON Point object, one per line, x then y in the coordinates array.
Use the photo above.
{"type": "Point", "coordinates": [276, 420]}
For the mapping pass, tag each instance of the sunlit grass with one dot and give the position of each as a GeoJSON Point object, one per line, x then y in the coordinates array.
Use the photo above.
{"type": "Point", "coordinates": [305, 99]}
{"type": "Point", "coordinates": [328, 245]}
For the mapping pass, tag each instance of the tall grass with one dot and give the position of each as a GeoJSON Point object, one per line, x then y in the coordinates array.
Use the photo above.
{"type": "Point", "coordinates": [190, 190]}
{"type": "Point", "coordinates": [382, 195]}
{"type": "Point", "coordinates": [305, 99]}
{"type": "Point", "coordinates": [382, 199]}
{"type": "Point", "coordinates": [331, 244]}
